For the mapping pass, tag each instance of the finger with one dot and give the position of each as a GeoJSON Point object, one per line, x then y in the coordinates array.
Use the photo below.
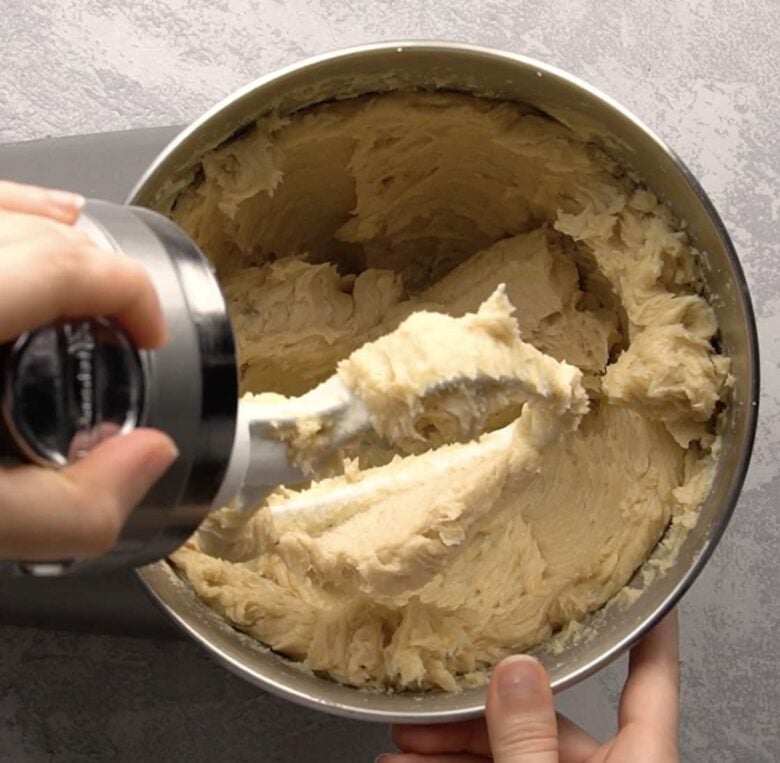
{"type": "Point", "coordinates": [434, 739]}
{"type": "Point", "coordinates": [520, 713]}
{"type": "Point", "coordinates": [79, 511]}
{"type": "Point", "coordinates": [651, 694]}
{"type": "Point", "coordinates": [32, 200]}
{"type": "Point", "coordinates": [48, 278]}
{"type": "Point", "coordinates": [575, 745]}
{"type": "Point", "coordinates": [444, 758]}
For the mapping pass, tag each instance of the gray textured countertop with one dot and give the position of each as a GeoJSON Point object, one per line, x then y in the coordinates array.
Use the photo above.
{"type": "Point", "coordinates": [702, 74]}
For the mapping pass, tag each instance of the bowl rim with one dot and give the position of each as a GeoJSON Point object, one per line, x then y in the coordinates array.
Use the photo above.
{"type": "Point", "coordinates": [150, 576]}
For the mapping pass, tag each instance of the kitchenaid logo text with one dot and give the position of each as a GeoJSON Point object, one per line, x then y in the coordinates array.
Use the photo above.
{"type": "Point", "coordinates": [81, 347]}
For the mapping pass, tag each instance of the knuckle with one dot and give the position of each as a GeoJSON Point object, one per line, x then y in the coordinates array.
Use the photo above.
{"type": "Point", "coordinates": [37, 229]}
{"type": "Point", "coordinates": [116, 265]}
{"type": "Point", "coordinates": [101, 527]}
{"type": "Point", "coordinates": [11, 192]}
{"type": "Point", "coordinates": [49, 227]}
{"type": "Point", "coordinates": [530, 737]}
{"type": "Point", "coordinates": [129, 277]}
{"type": "Point", "coordinates": [136, 274]}
{"type": "Point", "coordinates": [76, 239]}
{"type": "Point", "coordinates": [136, 281]}
{"type": "Point", "coordinates": [99, 516]}
{"type": "Point", "coordinates": [72, 259]}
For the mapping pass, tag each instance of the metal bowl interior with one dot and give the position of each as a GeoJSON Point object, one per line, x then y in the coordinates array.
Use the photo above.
{"type": "Point", "coordinates": [380, 68]}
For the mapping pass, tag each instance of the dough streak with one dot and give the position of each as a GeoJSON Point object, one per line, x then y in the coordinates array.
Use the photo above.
{"type": "Point", "coordinates": [329, 228]}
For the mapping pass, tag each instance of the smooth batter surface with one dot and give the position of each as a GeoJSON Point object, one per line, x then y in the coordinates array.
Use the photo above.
{"type": "Point", "coordinates": [328, 229]}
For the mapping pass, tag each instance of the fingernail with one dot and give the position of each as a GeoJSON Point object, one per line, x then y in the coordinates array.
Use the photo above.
{"type": "Point", "coordinates": [519, 676]}
{"type": "Point", "coordinates": [383, 758]}
{"type": "Point", "coordinates": [65, 200]}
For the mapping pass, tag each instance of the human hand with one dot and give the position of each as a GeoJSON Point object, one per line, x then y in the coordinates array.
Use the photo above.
{"type": "Point", "coordinates": [50, 270]}
{"type": "Point", "coordinates": [521, 724]}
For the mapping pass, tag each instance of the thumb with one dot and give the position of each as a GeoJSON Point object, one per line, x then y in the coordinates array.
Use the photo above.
{"type": "Point", "coordinates": [521, 714]}
{"type": "Point", "coordinates": [79, 510]}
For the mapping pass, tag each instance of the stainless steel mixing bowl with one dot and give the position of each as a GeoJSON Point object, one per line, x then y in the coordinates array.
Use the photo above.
{"type": "Point", "coordinates": [379, 68]}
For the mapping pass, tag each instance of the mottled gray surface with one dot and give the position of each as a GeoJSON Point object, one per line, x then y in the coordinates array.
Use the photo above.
{"type": "Point", "coordinates": [69, 697]}
{"type": "Point", "coordinates": [702, 73]}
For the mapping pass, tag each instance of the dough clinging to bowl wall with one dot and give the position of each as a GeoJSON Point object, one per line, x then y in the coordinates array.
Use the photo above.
{"type": "Point", "coordinates": [331, 226]}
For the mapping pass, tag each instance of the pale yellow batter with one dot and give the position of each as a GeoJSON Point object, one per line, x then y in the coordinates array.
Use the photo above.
{"type": "Point", "coordinates": [331, 227]}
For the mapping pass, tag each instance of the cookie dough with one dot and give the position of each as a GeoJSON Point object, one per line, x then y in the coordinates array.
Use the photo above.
{"type": "Point", "coordinates": [328, 229]}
